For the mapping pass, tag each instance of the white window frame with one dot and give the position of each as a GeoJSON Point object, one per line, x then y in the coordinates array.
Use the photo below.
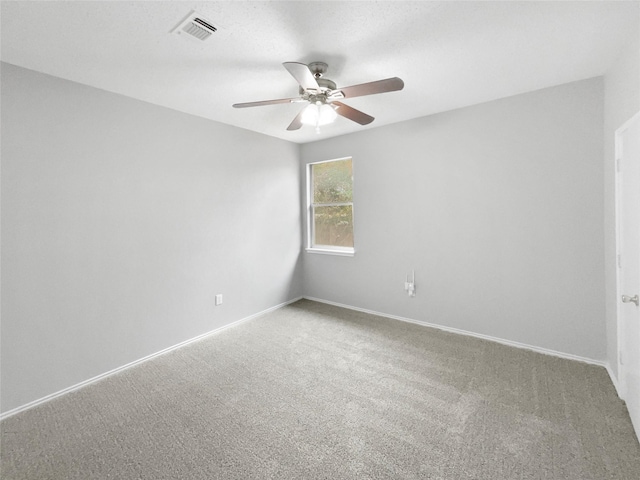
{"type": "Point", "coordinates": [327, 249]}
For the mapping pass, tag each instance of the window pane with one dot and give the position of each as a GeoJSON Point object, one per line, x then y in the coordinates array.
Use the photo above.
{"type": "Point", "coordinates": [333, 226]}
{"type": "Point", "coordinates": [332, 182]}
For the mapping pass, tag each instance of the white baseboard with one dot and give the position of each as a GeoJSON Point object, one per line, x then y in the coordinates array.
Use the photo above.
{"type": "Point", "coordinates": [503, 341]}
{"type": "Point", "coordinates": [77, 386]}
{"type": "Point", "coordinates": [614, 380]}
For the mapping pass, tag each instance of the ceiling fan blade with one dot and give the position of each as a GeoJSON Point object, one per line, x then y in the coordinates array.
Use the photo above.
{"type": "Point", "coordinates": [302, 74]}
{"type": "Point", "coordinates": [265, 102]}
{"type": "Point", "coordinates": [297, 121]}
{"type": "Point", "coordinates": [380, 86]}
{"type": "Point", "coordinates": [353, 114]}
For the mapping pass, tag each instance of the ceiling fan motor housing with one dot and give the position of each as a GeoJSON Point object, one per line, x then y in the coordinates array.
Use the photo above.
{"type": "Point", "coordinates": [318, 69]}
{"type": "Point", "coordinates": [325, 85]}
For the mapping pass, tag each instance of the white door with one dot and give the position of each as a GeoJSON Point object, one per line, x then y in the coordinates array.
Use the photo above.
{"type": "Point", "coordinates": [628, 244]}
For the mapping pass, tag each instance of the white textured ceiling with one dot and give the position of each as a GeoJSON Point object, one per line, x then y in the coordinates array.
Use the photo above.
{"type": "Point", "coordinates": [449, 54]}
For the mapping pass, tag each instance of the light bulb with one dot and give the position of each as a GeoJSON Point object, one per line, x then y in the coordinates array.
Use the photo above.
{"type": "Point", "coordinates": [326, 115]}
{"type": "Point", "coordinates": [310, 115]}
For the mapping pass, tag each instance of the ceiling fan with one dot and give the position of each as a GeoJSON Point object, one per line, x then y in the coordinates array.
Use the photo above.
{"type": "Point", "coordinates": [323, 96]}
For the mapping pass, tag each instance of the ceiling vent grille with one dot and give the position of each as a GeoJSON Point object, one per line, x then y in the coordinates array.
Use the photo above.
{"type": "Point", "coordinates": [195, 26]}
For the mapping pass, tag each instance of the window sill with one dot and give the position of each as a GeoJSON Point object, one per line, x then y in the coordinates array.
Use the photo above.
{"type": "Point", "coordinates": [347, 252]}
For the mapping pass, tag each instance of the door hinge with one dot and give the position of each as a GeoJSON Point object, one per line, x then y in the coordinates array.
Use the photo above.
{"type": "Point", "coordinates": [619, 261]}
{"type": "Point", "coordinates": [617, 164]}
{"type": "Point", "coordinates": [620, 358]}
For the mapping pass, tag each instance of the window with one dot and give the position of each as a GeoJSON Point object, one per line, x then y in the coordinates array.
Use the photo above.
{"type": "Point", "coordinates": [330, 201]}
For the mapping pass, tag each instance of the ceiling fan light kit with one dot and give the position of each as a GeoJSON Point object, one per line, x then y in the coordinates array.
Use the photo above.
{"type": "Point", "coordinates": [323, 95]}
{"type": "Point", "coordinates": [318, 115]}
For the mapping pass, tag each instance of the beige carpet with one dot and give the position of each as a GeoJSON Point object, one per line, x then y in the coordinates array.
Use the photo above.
{"type": "Point", "coordinates": [318, 392]}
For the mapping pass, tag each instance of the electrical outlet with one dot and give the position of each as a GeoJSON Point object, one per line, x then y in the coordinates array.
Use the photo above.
{"type": "Point", "coordinates": [219, 299]}
{"type": "Point", "coordinates": [412, 289]}
{"type": "Point", "coordinates": [410, 285]}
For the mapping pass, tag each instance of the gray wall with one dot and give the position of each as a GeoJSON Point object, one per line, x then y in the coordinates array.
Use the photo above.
{"type": "Point", "coordinates": [621, 102]}
{"type": "Point", "coordinates": [498, 208]}
{"type": "Point", "coordinates": [120, 222]}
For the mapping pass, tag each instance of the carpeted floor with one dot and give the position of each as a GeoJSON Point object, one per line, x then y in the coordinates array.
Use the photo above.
{"type": "Point", "coordinates": [313, 391]}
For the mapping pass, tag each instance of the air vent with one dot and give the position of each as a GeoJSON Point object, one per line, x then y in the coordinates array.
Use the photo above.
{"type": "Point", "coordinates": [195, 26]}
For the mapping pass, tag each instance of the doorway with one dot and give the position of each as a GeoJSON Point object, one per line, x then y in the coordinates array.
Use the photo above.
{"type": "Point", "coordinates": [627, 141]}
